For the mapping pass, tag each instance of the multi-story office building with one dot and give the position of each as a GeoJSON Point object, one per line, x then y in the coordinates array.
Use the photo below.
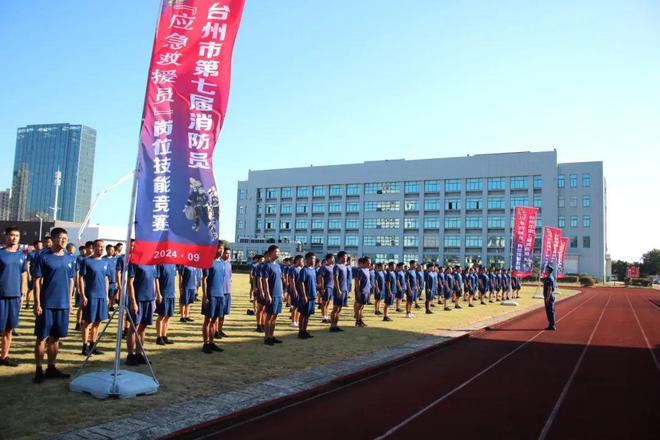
{"type": "Point", "coordinates": [41, 150]}
{"type": "Point", "coordinates": [454, 210]}
{"type": "Point", "coordinates": [5, 204]}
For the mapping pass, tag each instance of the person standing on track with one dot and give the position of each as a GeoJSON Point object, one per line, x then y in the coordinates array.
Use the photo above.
{"type": "Point", "coordinates": [549, 286]}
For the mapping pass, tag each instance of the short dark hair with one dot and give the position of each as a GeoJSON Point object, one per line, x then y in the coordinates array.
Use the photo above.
{"type": "Point", "coordinates": [36, 242]}
{"type": "Point", "coordinates": [341, 254]}
{"type": "Point", "coordinates": [57, 231]}
{"type": "Point", "coordinates": [89, 243]}
{"type": "Point", "coordinates": [411, 262]}
{"type": "Point", "coordinates": [329, 256]}
{"type": "Point", "coordinates": [11, 229]}
{"type": "Point", "coordinates": [272, 248]}
{"type": "Point", "coordinates": [80, 248]}
{"type": "Point", "coordinates": [48, 236]}
{"type": "Point", "coordinates": [119, 244]}
{"type": "Point", "coordinates": [309, 255]}
{"type": "Point", "coordinates": [108, 246]}
{"type": "Point", "coordinates": [98, 240]}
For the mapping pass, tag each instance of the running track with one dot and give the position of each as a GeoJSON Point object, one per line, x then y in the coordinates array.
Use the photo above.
{"type": "Point", "coordinates": [597, 376]}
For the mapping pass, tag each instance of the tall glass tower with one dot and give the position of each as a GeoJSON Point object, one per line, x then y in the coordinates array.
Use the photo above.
{"type": "Point", "coordinates": [42, 150]}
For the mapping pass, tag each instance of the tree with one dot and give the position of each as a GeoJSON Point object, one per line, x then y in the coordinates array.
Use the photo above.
{"type": "Point", "coordinates": [619, 269]}
{"type": "Point", "coordinates": [651, 262]}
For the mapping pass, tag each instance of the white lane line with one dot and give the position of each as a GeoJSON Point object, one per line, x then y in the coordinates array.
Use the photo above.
{"type": "Point", "coordinates": [648, 344]}
{"type": "Point", "coordinates": [473, 378]}
{"type": "Point", "coordinates": [564, 392]}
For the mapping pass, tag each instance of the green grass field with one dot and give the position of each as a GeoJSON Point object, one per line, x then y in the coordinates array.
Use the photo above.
{"type": "Point", "coordinates": [37, 411]}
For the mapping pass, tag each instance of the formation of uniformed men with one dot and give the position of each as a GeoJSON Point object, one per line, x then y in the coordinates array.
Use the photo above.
{"type": "Point", "coordinates": [55, 276]}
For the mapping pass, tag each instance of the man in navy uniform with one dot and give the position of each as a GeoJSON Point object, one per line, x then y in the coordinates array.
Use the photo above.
{"type": "Point", "coordinates": [549, 285]}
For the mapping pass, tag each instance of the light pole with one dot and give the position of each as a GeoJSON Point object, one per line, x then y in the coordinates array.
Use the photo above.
{"type": "Point", "coordinates": [58, 182]}
{"type": "Point", "coordinates": [88, 216]}
{"type": "Point", "coordinates": [41, 225]}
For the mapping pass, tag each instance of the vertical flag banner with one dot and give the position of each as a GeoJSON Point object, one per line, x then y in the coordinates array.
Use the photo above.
{"type": "Point", "coordinates": [550, 248]}
{"type": "Point", "coordinates": [561, 257]}
{"type": "Point", "coordinates": [177, 208]}
{"type": "Point", "coordinates": [524, 234]}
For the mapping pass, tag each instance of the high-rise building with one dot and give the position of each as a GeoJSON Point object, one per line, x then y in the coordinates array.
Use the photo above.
{"type": "Point", "coordinates": [42, 150]}
{"type": "Point", "coordinates": [453, 211]}
{"type": "Point", "coordinates": [5, 204]}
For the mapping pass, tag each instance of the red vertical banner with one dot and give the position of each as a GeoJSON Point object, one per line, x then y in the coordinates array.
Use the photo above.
{"type": "Point", "coordinates": [177, 206]}
{"type": "Point", "coordinates": [523, 237]}
{"type": "Point", "coordinates": [550, 248]}
{"type": "Point", "coordinates": [561, 257]}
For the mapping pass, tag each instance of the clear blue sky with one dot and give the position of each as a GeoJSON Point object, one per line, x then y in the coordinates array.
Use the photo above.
{"type": "Point", "coordinates": [317, 82]}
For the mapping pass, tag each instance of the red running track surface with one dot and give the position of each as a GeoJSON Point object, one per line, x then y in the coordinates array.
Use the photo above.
{"type": "Point", "coordinates": [597, 376]}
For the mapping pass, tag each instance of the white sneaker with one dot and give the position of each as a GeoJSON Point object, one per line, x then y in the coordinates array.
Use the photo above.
{"type": "Point", "coordinates": [408, 315]}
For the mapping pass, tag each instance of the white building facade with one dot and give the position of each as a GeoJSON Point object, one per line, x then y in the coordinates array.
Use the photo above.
{"type": "Point", "coordinates": [452, 210]}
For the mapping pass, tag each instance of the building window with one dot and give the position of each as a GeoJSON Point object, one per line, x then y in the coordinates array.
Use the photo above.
{"type": "Point", "coordinates": [473, 222]}
{"type": "Point", "coordinates": [411, 257]}
{"type": "Point", "coordinates": [574, 242]}
{"type": "Point", "coordinates": [495, 242]}
{"type": "Point", "coordinates": [286, 192]}
{"type": "Point", "coordinates": [573, 180]}
{"type": "Point", "coordinates": [285, 224]}
{"type": "Point", "coordinates": [352, 223]}
{"type": "Point", "coordinates": [538, 202]}
{"type": "Point", "coordinates": [473, 241]}
{"type": "Point", "coordinates": [411, 223]}
{"type": "Point", "coordinates": [452, 185]}
{"type": "Point", "coordinates": [270, 209]}
{"type": "Point", "coordinates": [260, 209]}
{"type": "Point", "coordinates": [539, 222]}
{"type": "Point", "coordinates": [452, 205]}
{"type": "Point", "coordinates": [495, 203]}
{"type": "Point", "coordinates": [380, 240]}
{"type": "Point", "coordinates": [586, 221]}
{"type": "Point", "coordinates": [496, 221]}
{"type": "Point", "coordinates": [431, 223]}
{"type": "Point", "coordinates": [586, 242]}
{"type": "Point", "coordinates": [431, 205]}
{"type": "Point", "coordinates": [574, 221]}
{"type": "Point", "coordinates": [317, 240]}
{"type": "Point", "coordinates": [452, 241]}
{"type": "Point", "coordinates": [386, 258]}
{"type": "Point", "coordinates": [352, 207]}
{"type": "Point", "coordinates": [381, 223]}
{"type": "Point", "coordinates": [318, 191]}
{"type": "Point", "coordinates": [431, 241]}
{"type": "Point", "coordinates": [284, 239]}
{"type": "Point", "coordinates": [473, 204]}
{"type": "Point", "coordinates": [432, 186]}
{"type": "Point", "coordinates": [561, 202]}
{"type": "Point", "coordinates": [335, 190]}
{"type": "Point", "coordinates": [538, 182]}
{"type": "Point", "coordinates": [382, 188]}
{"type": "Point", "coordinates": [302, 191]}
{"type": "Point", "coordinates": [334, 223]}
{"type": "Point", "coordinates": [302, 239]}
{"type": "Point", "coordinates": [561, 222]}
{"type": "Point", "coordinates": [452, 222]}
{"type": "Point", "coordinates": [586, 180]}
{"type": "Point", "coordinates": [241, 224]}
{"type": "Point", "coordinates": [519, 182]}
{"type": "Point", "coordinates": [561, 181]}
{"type": "Point", "coordinates": [473, 185]}
{"type": "Point", "coordinates": [519, 201]}
{"type": "Point", "coordinates": [242, 194]}
{"type": "Point", "coordinates": [334, 240]}
{"type": "Point", "coordinates": [241, 209]}
{"type": "Point", "coordinates": [318, 207]}
{"type": "Point", "coordinates": [271, 193]}
{"type": "Point", "coordinates": [285, 208]}
{"type": "Point", "coordinates": [353, 189]}
{"type": "Point", "coordinates": [496, 183]}
{"type": "Point", "coordinates": [334, 207]}
{"type": "Point", "coordinates": [301, 223]}
{"type": "Point", "coordinates": [572, 202]}
{"type": "Point", "coordinates": [318, 223]}
{"type": "Point", "coordinates": [270, 224]}
{"type": "Point", "coordinates": [351, 240]}
{"type": "Point", "coordinates": [586, 201]}
{"type": "Point", "coordinates": [410, 240]}
{"type": "Point", "coordinates": [382, 206]}
{"type": "Point", "coordinates": [301, 208]}
{"type": "Point", "coordinates": [411, 205]}
{"type": "Point", "coordinates": [411, 187]}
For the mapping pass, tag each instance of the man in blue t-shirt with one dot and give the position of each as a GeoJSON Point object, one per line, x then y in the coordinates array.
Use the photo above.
{"type": "Point", "coordinates": [213, 298]}
{"type": "Point", "coordinates": [31, 257]}
{"type": "Point", "coordinates": [349, 279]}
{"type": "Point", "coordinates": [326, 276]}
{"type": "Point", "coordinates": [54, 275]}
{"type": "Point", "coordinates": [226, 257]}
{"type": "Point", "coordinates": [84, 252]}
{"type": "Point", "coordinates": [458, 287]}
{"type": "Point", "coordinates": [95, 274]}
{"type": "Point", "coordinates": [549, 286]}
{"type": "Point", "coordinates": [379, 287]}
{"type": "Point", "coordinates": [257, 294]}
{"type": "Point", "coordinates": [449, 288]}
{"type": "Point", "coordinates": [13, 263]}
{"type": "Point", "coordinates": [187, 286]}
{"type": "Point", "coordinates": [362, 289]}
{"type": "Point", "coordinates": [341, 286]}
{"type": "Point", "coordinates": [390, 290]}
{"type": "Point", "coordinates": [271, 285]}
{"type": "Point", "coordinates": [430, 286]}
{"type": "Point", "coordinates": [111, 259]}
{"type": "Point", "coordinates": [306, 286]}
{"type": "Point", "coordinates": [166, 274]}
{"type": "Point", "coordinates": [294, 272]}
{"type": "Point", "coordinates": [412, 287]}
{"type": "Point", "coordinates": [401, 285]}
{"type": "Point", "coordinates": [142, 291]}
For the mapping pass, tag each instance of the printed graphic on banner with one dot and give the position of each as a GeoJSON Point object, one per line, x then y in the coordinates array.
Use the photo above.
{"type": "Point", "coordinates": [177, 211]}
{"type": "Point", "coordinates": [524, 234]}
{"type": "Point", "coordinates": [550, 249]}
{"type": "Point", "coordinates": [632, 272]}
{"type": "Point", "coordinates": [561, 257]}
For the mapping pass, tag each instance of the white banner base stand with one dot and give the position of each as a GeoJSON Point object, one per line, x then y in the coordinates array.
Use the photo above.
{"type": "Point", "coordinates": [538, 296]}
{"type": "Point", "coordinates": [128, 384]}
{"type": "Point", "coordinates": [510, 303]}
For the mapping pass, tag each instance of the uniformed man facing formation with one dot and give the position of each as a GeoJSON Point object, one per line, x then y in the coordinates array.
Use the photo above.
{"type": "Point", "coordinates": [549, 286]}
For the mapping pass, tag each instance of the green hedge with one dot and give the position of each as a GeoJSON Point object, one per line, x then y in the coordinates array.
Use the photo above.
{"type": "Point", "coordinates": [643, 282]}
